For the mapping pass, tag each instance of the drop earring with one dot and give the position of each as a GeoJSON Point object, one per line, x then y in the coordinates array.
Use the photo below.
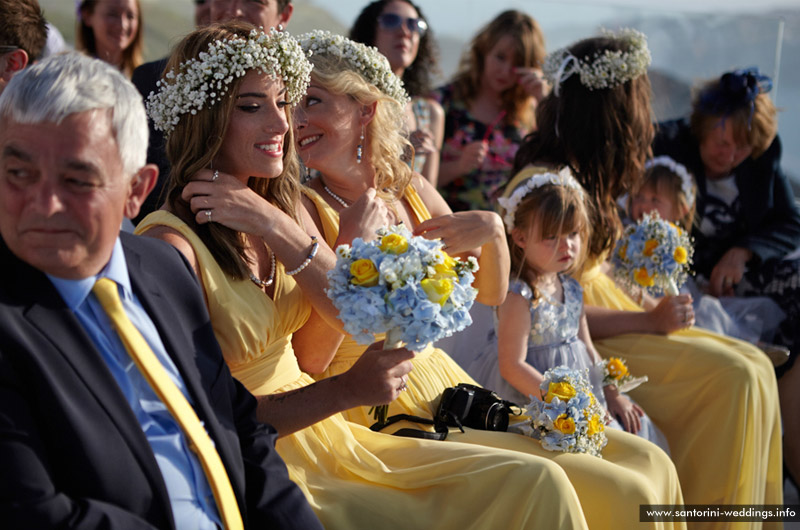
{"type": "Point", "coordinates": [360, 147]}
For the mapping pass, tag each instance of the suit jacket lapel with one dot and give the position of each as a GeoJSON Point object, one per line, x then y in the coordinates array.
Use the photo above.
{"type": "Point", "coordinates": [145, 281]}
{"type": "Point", "coordinates": [55, 321]}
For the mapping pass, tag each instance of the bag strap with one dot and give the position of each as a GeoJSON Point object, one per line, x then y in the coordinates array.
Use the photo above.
{"type": "Point", "coordinates": [440, 433]}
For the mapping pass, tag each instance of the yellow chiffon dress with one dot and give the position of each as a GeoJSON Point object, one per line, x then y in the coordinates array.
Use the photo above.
{"type": "Point", "coordinates": [632, 471]}
{"type": "Point", "coordinates": [356, 478]}
{"type": "Point", "coordinates": [713, 396]}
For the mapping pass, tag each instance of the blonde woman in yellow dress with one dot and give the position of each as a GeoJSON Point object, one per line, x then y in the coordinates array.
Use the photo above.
{"type": "Point", "coordinates": [342, 101]}
{"type": "Point", "coordinates": [714, 397]}
{"type": "Point", "coordinates": [227, 106]}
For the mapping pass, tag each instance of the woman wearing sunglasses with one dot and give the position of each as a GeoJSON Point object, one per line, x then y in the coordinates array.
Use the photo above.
{"type": "Point", "coordinates": [489, 107]}
{"type": "Point", "coordinates": [399, 30]}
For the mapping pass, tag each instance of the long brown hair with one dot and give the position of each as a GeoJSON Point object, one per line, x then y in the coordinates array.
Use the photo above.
{"type": "Point", "coordinates": [85, 39]}
{"type": "Point", "coordinates": [530, 52]}
{"type": "Point", "coordinates": [603, 135]}
{"type": "Point", "coordinates": [196, 140]}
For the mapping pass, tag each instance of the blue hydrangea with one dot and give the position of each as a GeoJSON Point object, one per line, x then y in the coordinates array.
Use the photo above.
{"type": "Point", "coordinates": [398, 300]}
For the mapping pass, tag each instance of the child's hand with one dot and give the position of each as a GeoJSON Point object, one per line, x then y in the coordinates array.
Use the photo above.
{"type": "Point", "coordinates": [623, 409]}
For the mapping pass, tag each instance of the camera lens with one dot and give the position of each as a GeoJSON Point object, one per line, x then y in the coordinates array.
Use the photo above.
{"type": "Point", "coordinates": [496, 417]}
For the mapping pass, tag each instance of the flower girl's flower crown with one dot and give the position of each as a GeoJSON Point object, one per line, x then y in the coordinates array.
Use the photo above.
{"type": "Point", "coordinates": [366, 60]}
{"type": "Point", "coordinates": [204, 81]}
{"type": "Point", "coordinates": [510, 204]}
{"type": "Point", "coordinates": [687, 183]}
{"type": "Point", "coordinates": [606, 69]}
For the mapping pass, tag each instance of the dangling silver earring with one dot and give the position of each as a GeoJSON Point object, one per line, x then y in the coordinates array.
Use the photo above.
{"type": "Point", "coordinates": [360, 147]}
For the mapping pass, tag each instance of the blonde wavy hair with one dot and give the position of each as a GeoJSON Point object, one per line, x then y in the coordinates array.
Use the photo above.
{"type": "Point", "coordinates": [384, 134]}
{"type": "Point", "coordinates": [197, 139]}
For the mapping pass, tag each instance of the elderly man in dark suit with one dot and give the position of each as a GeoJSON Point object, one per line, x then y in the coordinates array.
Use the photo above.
{"type": "Point", "coordinates": [89, 437]}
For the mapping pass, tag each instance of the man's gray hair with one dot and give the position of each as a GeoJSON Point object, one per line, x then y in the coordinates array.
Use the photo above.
{"type": "Point", "coordinates": [71, 83]}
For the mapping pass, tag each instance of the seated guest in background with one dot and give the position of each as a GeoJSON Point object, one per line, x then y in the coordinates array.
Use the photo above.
{"type": "Point", "coordinates": [748, 220]}
{"type": "Point", "coordinates": [202, 12]}
{"type": "Point", "coordinates": [399, 30]}
{"type": "Point", "coordinates": [489, 107]}
{"type": "Point", "coordinates": [266, 14]}
{"type": "Point", "coordinates": [112, 413]}
{"type": "Point", "coordinates": [23, 34]}
{"type": "Point", "coordinates": [111, 30]}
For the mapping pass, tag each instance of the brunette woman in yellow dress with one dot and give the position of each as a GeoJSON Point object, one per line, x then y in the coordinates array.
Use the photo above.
{"type": "Point", "coordinates": [713, 396]}
{"type": "Point", "coordinates": [347, 129]}
{"type": "Point", "coordinates": [227, 106]}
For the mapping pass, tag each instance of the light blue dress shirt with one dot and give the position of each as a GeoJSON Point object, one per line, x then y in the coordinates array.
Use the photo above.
{"type": "Point", "coordinates": [193, 504]}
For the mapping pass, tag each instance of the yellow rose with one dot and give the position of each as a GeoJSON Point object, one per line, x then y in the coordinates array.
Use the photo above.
{"type": "Point", "coordinates": [649, 246]}
{"type": "Point", "coordinates": [623, 252]}
{"type": "Point", "coordinates": [446, 269]}
{"type": "Point", "coordinates": [616, 368]}
{"type": "Point", "coordinates": [680, 255]}
{"type": "Point", "coordinates": [564, 424]}
{"type": "Point", "coordinates": [595, 425]}
{"type": "Point", "coordinates": [394, 244]}
{"type": "Point", "coordinates": [438, 291]}
{"type": "Point", "coordinates": [364, 273]}
{"type": "Point", "coordinates": [562, 391]}
{"type": "Point", "coordinates": [643, 278]}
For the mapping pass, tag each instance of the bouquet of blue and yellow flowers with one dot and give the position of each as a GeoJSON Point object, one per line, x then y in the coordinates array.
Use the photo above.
{"type": "Point", "coordinates": [568, 418]}
{"type": "Point", "coordinates": [654, 255]}
{"type": "Point", "coordinates": [615, 372]}
{"type": "Point", "coordinates": [403, 285]}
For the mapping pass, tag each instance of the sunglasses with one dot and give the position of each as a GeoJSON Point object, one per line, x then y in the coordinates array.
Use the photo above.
{"type": "Point", "coordinates": [392, 21]}
{"type": "Point", "coordinates": [5, 48]}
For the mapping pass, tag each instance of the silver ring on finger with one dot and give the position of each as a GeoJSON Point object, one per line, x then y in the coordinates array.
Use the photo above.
{"type": "Point", "coordinates": [215, 176]}
{"type": "Point", "coordinates": [208, 216]}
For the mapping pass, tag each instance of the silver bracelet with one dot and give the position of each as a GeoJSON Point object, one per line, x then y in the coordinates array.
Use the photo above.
{"type": "Point", "coordinates": [311, 254]}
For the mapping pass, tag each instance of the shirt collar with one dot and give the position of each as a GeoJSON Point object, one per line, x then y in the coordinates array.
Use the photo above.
{"type": "Point", "coordinates": [74, 292]}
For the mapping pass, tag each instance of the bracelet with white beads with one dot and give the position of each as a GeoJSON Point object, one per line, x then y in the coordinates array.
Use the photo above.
{"type": "Point", "coordinates": [311, 254]}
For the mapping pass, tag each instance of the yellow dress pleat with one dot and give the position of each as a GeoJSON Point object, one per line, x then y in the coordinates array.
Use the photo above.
{"type": "Point", "coordinates": [632, 471]}
{"type": "Point", "coordinates": [355, 478]}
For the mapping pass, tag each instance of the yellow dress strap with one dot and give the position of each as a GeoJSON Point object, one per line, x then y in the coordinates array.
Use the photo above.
{"type": "Point", "coordinates": [418, 207]}
{"type": "Point", "coordinates": [328, 216]}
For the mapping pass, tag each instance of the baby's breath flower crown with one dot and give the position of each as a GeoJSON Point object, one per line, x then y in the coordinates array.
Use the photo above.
{"type": "Point", "coordinates": [562, 178]}
{"type": "Point", "coordinates": [606, 69]}
{"type": "Point", "coordinates": [687, 182]}
{"type": "Point", "coordinates": [366, 60]}
{"type": "Point", "coordinates": [204, 80]}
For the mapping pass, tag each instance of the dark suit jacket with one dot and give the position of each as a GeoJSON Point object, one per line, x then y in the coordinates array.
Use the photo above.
{"type": "Point", "coordinates": [72, 453]}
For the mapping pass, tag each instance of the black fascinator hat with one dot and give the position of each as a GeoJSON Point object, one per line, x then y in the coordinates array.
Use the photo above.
{"type": "Point", "coordinates": [735, 90]}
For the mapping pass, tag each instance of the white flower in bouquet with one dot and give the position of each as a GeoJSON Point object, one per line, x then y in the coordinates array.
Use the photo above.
{"type": "Point", "coordinates": [653, 254]}
{"type": "Point", "coordinates": [568, 418]}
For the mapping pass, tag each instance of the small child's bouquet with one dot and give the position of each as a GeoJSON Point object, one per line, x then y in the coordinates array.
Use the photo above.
{"type": "Point", "coordinates": [615, 372]}
{"type": "Point", "coordinates": [568, 418]}
{"type": "Point", "coordinates": [403, 285]}
{"type": "Point", "coordinates": [654, 255]}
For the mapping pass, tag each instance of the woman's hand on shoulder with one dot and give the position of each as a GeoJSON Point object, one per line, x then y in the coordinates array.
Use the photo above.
{"type": "Point", "coordinates": [217, 197]}
{"type": "Point", "coordinates": [672, 313]}
{"type": "Point", "coordinates": [462, 232]}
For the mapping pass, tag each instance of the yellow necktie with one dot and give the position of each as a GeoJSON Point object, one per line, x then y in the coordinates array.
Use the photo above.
{"type": "Point", "coordinates": [199, 441]}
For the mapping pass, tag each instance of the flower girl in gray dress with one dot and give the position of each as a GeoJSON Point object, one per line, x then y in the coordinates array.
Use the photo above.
{"type": "Point", "coordinates": [542, 323]}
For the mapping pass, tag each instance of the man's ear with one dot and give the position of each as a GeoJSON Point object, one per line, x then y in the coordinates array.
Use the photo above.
{"type": "Point", "coordinates": [285, 15]}
{"type": "Point", "coordinates": [141, 185]}
{"type": "Point", "coordinates": [11, 63]}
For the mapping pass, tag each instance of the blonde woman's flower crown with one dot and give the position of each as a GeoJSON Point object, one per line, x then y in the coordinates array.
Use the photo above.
{"type": "Point", "coordinates": [204, 80]}
{"type": "Point", "coordinates": [510, 204]}
{"type": "Point", "coordinates": [606, 69]}
{"type": "Point", "coordinates": [687, 182]}
{"type": "Point", "coordinates": [366, 60]}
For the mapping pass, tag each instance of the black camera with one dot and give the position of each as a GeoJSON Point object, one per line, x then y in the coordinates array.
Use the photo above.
{"type": "Point", "coordinates": [468, 405]}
